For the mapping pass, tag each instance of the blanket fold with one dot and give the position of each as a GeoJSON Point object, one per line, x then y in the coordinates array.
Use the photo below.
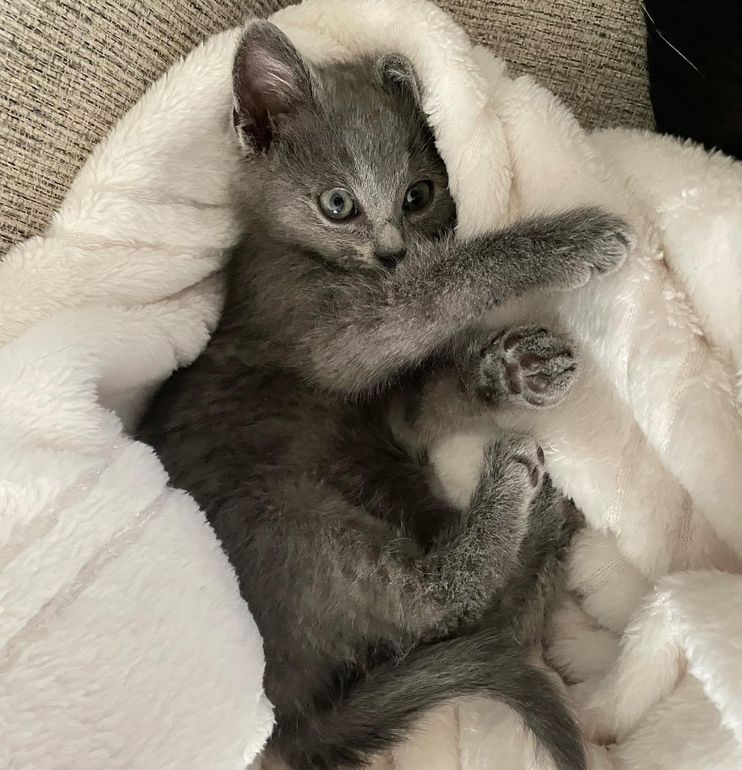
{"type": "Point", "coordinates": [123, 640]}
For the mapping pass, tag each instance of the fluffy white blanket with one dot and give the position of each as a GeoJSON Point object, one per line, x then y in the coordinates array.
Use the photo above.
{"type": "Point", "coordinates": [123, 642]}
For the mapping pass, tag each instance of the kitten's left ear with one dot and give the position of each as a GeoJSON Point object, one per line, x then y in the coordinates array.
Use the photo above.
{"type": "Point", "coordinates": [269, 79]}
{"type": "Point", "coordinates": [398, 76]}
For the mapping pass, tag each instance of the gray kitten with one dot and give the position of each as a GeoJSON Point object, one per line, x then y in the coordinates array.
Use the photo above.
{"type": "Point", "coordinates": [302, 428]}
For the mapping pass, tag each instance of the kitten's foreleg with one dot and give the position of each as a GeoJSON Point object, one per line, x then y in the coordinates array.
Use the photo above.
{"type": "Point", "coordinates": [371, 328]}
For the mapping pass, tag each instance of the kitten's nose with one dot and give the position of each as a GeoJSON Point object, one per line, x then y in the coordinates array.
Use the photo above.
{"type": "Point", "coordinates": [389, 246]}
{"type": "Point", "coordinates": [390, 259]}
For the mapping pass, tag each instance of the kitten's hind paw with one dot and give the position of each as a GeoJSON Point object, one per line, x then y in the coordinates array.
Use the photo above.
{"type": "Point", "coordinates": [529, 365]}
{"type": "Point", "coordinates": [566, 521]}
{"type": "Point", "coordinates": [516, 461]}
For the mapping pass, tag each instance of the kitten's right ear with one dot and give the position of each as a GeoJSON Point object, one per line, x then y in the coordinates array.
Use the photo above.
{"type": "Point", "coordinates": [269, 79]}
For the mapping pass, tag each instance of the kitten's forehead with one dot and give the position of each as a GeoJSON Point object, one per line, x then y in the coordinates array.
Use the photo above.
{"type": "Point", "coordinates": [373, 129]}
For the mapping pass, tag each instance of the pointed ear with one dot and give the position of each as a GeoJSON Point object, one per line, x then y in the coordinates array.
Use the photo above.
{"type": "Point", "coordinates": [269, 79]}
{"type": "Point", "coordinates": [398, 76]}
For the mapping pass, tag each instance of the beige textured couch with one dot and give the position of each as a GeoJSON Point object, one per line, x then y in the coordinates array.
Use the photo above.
{"type": "Point", "coordinates": [70, 68]}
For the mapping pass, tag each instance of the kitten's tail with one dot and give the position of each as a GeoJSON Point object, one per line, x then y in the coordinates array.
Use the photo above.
{"type": "Point", "coordinates": [378, 711]}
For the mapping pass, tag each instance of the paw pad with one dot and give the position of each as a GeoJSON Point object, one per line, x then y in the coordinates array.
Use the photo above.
{"type": "Point", "coordinates": [530, 365]}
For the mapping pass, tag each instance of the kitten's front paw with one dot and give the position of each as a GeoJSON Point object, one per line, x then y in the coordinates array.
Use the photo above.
{"type": "Point", "coordinates": [597, 243]}
{"type": "Point", "coordinates": [611, 239]}
{"type": "Point", "coordinates": [528, 365]}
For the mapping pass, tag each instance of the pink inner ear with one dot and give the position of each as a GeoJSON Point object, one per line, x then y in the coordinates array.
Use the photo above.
{"type": "Point", "coordinates": [270, 77]}
{"type": "Point", "coordinates": [277, 82]}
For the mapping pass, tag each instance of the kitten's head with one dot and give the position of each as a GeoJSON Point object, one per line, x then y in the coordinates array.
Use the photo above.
{"type": "Point", "coordinates": [341, 161]}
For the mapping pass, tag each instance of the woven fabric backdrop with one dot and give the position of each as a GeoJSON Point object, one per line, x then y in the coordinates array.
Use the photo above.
{"type": "Point", "coordinates": [70, 68]}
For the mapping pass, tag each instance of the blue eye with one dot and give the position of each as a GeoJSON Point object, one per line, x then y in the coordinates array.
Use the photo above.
{"type": "Point", "coordinates": [337, 204]}
{"type": "Point", "coordinates": [418, 195]}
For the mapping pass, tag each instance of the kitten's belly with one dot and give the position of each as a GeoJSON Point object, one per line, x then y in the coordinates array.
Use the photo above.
{"type": "Point", "coordinates": [240, 454]}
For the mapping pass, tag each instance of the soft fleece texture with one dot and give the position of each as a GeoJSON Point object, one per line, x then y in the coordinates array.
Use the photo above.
{"type": "Point", "coordinates": [124, 644]}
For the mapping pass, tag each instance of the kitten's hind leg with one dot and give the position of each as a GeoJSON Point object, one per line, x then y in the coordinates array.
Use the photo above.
{"type": "Point", "coordinates": [452, 585]}
{"type": "Point", "coordinates": [386, 584]}
{"type": "Point", "coordinates": [526, 602]}
{"type": "Point", "coordinates": [481, 560]}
